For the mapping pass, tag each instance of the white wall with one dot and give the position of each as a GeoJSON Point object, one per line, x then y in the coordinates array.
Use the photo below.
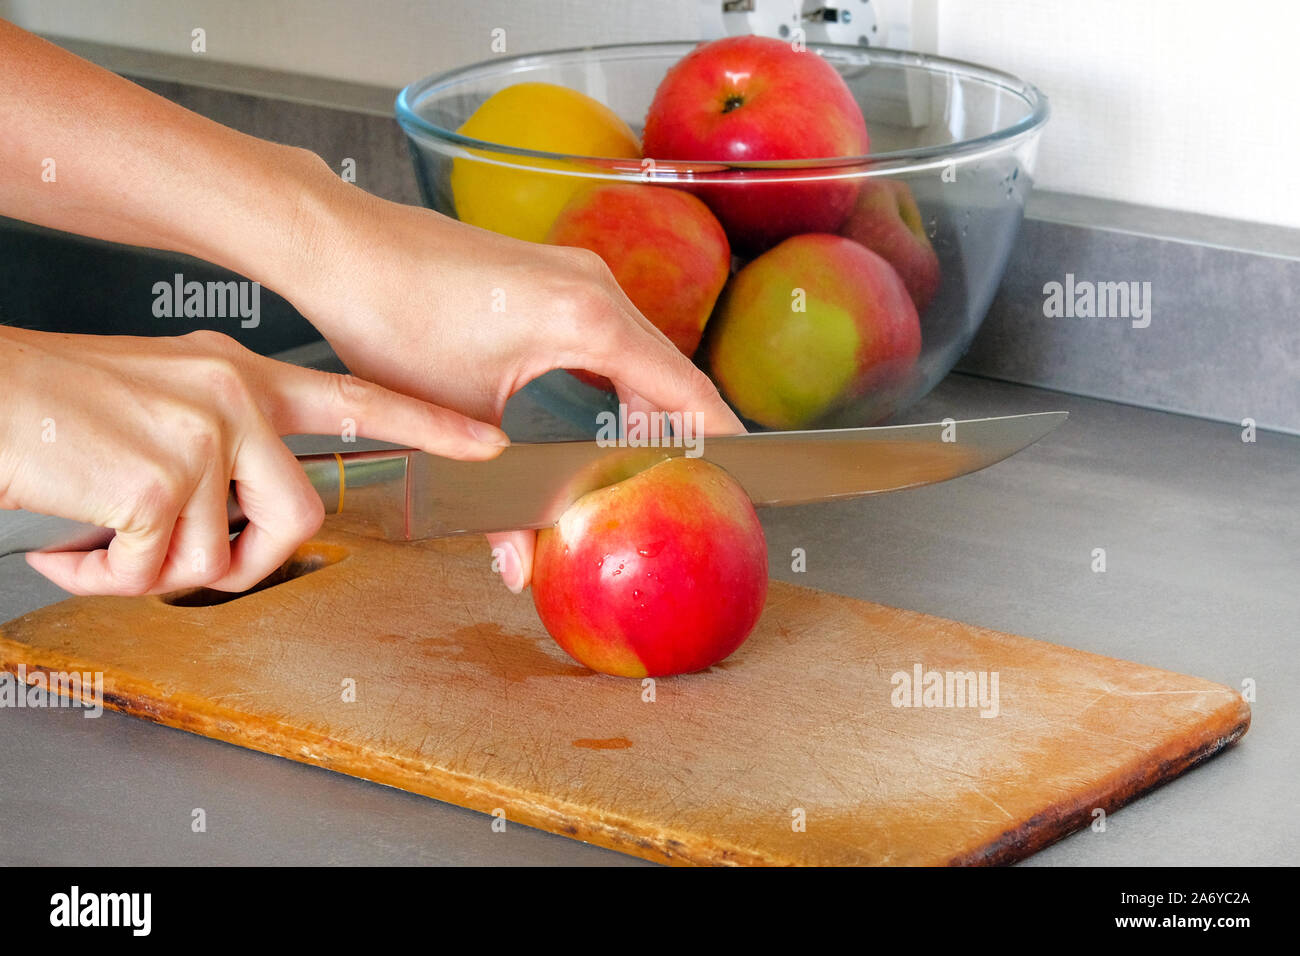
{"type": "Point", "coordinates": [1185, 104]}
{"type": "Point", "coordinates": [386, 42]}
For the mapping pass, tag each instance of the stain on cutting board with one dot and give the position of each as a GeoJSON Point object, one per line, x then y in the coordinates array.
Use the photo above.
{"type": "Point", "coordinates": [608, 743]}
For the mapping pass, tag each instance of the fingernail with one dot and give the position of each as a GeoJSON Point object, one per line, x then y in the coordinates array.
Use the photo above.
{"type": "Point", "coordinates": [488, 434]}
{"type": "Point", "coordinates": [512, 569]}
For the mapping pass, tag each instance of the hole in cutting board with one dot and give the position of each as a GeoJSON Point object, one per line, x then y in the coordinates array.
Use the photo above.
{"type": "Point", "coordinates": [310, 557]}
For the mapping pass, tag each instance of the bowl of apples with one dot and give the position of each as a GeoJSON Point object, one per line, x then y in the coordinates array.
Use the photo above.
{"type": "Point", "coordinates": [821, 229]}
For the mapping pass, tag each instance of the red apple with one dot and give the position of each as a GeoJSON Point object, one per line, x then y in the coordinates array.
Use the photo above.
{"type": "Point", "coordinates": [810, 325]}
{"type": "Point", "coordinates": [666, 250]}
{"type": "Point", "coordinates": [662, 573]}
{"type": "Point", "coordinates": [887, 221]}
{"type": "Point", "coordinates": [745, 99]}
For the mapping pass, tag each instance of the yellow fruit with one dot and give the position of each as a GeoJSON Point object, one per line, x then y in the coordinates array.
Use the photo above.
{"type": "Point", "coordinates": [541, 116]}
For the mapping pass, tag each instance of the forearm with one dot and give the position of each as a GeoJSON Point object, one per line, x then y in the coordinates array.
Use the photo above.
{"type": "Point", "coordinates": [89, 152]}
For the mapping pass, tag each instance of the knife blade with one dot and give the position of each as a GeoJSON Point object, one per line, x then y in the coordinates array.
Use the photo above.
{"type": "Point", "coordinates": [530, 486]}
{"type": "Point", "coordinates": [412, 495]}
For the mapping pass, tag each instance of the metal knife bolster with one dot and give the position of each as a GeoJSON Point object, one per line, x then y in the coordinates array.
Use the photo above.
{"type": "Point", "coordinates": [374, 485]}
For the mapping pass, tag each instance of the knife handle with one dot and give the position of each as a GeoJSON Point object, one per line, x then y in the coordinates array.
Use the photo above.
{"type": "Point", "coordinates": [371, 483]}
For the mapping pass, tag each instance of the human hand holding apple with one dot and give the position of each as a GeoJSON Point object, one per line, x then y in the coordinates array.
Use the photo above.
{"type": "Point", "coordinates": [856, 330]}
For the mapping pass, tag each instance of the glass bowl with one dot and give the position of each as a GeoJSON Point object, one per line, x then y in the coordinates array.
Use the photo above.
{"type": "Point", "coordinates": [962, 137]}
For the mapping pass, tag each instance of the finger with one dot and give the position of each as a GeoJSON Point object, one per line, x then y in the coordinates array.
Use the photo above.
{"type": "Point", "coordinates": [628, 306]}
{"type": "Point", "coordinates": [637, 407]}
{"type": "Point", "coordinates": [640, 359]}
{"type": "Point", "coordinates": [307, 401]}
{"type": "Point", "coordinates": [128, 566]}
{"type": "Point", "coordinates": [282, 508]}
{"type": "Point", "coordinates": [131, 563]}
{"type": "Point", "coordinates": [646, 363]}
{"type": "Point", "coordinates": [512, 557]}
{"type": "Point", "coordinates": [200, 544]}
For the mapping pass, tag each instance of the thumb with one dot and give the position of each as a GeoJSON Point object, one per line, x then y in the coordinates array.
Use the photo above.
{"type": "Point", "coordinates": [512, 557]}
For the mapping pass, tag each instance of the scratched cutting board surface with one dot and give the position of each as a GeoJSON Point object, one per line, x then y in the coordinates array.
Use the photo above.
{"type": "Point", "coordinates": [791, 752]}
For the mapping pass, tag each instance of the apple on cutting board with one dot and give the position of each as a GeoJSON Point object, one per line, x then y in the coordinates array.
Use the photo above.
{"type": "Point", "coordinates": [662, 573]}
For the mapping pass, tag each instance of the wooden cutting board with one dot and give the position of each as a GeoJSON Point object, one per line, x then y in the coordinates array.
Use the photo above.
{"type": "Point", "coordinates": [791, 752]}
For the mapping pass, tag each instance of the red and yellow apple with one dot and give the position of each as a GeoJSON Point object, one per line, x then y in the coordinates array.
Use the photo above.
{"type": "Point", "coordinates": [662, 573]}
{"type": "Point", "coordinates": [887, 221]}
{"type": "Point", "coordinates": [521, 196]}
{"type": "Point", "coordinates": [665, 249]}
{"type": "Point", "coordinates": [747, 99]}
{"type": "Point", "coordinates": [809, 325]}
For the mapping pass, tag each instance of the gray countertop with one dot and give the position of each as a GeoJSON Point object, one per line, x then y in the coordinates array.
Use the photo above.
{"type": "Point", "coordinates": [1202, 540]}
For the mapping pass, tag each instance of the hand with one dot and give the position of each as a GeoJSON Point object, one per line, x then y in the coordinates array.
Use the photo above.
{"type": "Point", "coordinates": [411, 300]}
{"type": "Point", "coordinates": [145, 436]}
{"type": "Point", "coordinates": [464, 318]}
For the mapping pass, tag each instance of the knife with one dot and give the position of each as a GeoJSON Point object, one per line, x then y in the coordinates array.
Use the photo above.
{"type": "Point", "coordinates": [410, 495]}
